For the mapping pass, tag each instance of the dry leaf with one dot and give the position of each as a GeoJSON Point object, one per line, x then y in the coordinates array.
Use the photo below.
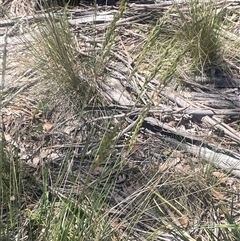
{"type": "Point", "coordinates": [184, 221]}
{"type": "Point", "coordinates": [218, 195]}
{"type": "Point", "coordinates": [155, 98]}
{"type": "Point", "coordinates": [172, 123]}
{"type": "Point", "coordinates": [221, 177]}
{"type": "Point", "coordinates": [45, 153]}
{"type": "Point", "coordinates": [35, 162]}
{"type": "Point", "coordinates": [114, 223]}
{"type": "Point", "coordinates": [47, 126]}
{"type": "Point", "coordinates": [98, 170]}
{"type": "Point", "coordinates": [163, 167]}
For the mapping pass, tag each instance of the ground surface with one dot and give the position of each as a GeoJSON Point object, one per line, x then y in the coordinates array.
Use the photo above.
{"type": "Point", "coordinates": [41, 124]}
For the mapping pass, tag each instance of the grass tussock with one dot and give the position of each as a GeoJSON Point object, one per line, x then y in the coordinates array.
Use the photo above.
{"type": "Point", "coordinates": [189, 40]}
{"type": "Point", "coordinates": [72, 64]}
{"type": "Point", "coordinates": [201, 25]}
{"type": "Point", "coordinates": [58, 60]}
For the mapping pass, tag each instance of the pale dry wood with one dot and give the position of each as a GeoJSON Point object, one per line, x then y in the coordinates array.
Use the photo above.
{"type": "Point", "coordinates": [93, 18]}
{"type": "Point", "coordinates": [116, 96]}
{"type": "Point", "coordinates": [211, 112]}
{"type": "Point", "coordinates": [220, 160]}
{"type": "Point", "coordinates": [218, 101]}
{"type": "Point", "coordinates": [222, 82]}
{"type": "Point", "coordinates": [227, 130]}
{"type": "Point", "coordinates": [172, 130]}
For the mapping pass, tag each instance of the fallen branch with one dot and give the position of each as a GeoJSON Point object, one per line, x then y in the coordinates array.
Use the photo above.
{"type": "Point", "coordinates": [220, 160]}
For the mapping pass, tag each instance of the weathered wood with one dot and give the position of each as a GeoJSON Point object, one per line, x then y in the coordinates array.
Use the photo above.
{"type": "Point", "coordinates": [225, 129]}
{"type": "Point", "coordinates": [172, 130]}
{"type": "Point", "coordinates": [218, 101]}
{"type": "Point", "coordinates": [92, 18]}
{"type": "Point", "coordinates": [218, 159]}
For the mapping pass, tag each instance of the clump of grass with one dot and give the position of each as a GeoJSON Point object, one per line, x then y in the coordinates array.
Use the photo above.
{"type": "Point", "coordinates": [192, 38]}
{"type": "Point", "coordinates": [200, 27]}
{"type": "Point", "coordinates": [58, 61]}
{"type": "Point", "coordinates": [61, 58]}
